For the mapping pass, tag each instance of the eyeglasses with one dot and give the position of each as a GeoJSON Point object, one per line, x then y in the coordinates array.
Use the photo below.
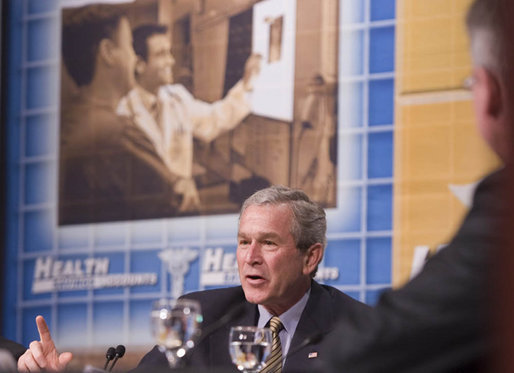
{"type": "Point", "coordinates": [469, 82]}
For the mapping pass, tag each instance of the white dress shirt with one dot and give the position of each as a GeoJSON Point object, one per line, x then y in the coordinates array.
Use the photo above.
{"type": "Point", "coordinates": [289, 319]}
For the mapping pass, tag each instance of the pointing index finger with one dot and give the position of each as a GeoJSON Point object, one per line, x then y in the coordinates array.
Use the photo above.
{"type": "Point", "coordinates": [42, 328]}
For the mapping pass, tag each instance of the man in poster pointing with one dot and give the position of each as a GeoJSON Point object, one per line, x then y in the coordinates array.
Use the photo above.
{"type": "Point", "coordinates": [169, 115]}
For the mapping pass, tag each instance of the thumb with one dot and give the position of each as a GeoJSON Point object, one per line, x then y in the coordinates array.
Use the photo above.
{"type": "Point", "coordinates": [65, 358]}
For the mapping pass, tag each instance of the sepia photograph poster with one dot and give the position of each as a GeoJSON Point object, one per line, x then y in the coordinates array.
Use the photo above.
{"type": "Point", "coordinates": [179, 107]}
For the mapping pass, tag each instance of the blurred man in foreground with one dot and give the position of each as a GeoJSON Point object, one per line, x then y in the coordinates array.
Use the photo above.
{"type": "Point", "coordinates": [440, 321]}
{"type": "Point", "coordinates": [281, 241]}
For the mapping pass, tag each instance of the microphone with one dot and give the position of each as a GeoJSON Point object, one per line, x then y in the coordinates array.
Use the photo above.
{"type": "Point", "coordinates": [109, 355]}
{"type": "Point", "coordinates": [119, 352]}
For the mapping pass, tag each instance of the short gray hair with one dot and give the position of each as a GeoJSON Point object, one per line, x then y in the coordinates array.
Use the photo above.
{"type": "Point", "coordinates": [309, 223]}
{"type": "Point", "coordinates": [488, 27]}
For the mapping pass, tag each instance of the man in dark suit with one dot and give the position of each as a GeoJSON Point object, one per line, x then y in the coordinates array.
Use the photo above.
{"type": "Point", "coordinates": [440, 321]}
{"type": "Point", "coordinates": [281, 240]}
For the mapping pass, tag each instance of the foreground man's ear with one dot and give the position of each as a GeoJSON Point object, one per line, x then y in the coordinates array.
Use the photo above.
{"type": "Point", "coordinates": [490, 109]}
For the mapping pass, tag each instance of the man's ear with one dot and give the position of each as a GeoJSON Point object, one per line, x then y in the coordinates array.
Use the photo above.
{"type": "Point", "coordinates": [489, 94]}
{"type": "Point", "coordinates": [312, 257]}
{"type": "Point", "coordinates": [490, 109]}
{"type": "Point", "coordinates": [106, 51]}
{"type": "Point", "coordinates": [495, 95]}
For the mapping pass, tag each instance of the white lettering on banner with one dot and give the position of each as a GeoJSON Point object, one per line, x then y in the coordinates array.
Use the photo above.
{"type": "Point", "coordinates": [229, 262]}
{"type": "Point", "coordinates": [212, 278]}
{"type": "Point", "coordinates": [219, 268]}
{"type": "Point", "coordinates": [49, 268]}
{"type": "Point", "coordinates": [43, 267]}
{"type": "Point", "coordinates": [212, 260]}
{"type": "Point", "coordinates": [215, 260]}
{"type": "Point", "coordinates": [82, 274]}
{"type": "Point", "coordinates": [327, 273]}
{"type": "Point", "coordinates": [232, 278]}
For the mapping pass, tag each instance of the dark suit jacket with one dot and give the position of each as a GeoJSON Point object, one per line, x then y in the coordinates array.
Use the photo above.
{"type": "Point", "coordinates": [109, 169]}
{"type": "Point", "coordinates": [437, 322]}
{"type": "Point", "coordinates": [325, 305]}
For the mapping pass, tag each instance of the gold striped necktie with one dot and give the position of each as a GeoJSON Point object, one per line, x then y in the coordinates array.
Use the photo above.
{"type": "Point", "coordinates": [274, 361]}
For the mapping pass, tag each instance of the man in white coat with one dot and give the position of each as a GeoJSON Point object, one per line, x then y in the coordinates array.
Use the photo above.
{"type": "Point", "coordinates": [170, 115]}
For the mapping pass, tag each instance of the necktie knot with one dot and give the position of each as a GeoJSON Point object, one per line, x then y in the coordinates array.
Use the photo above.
{"type": "Point", "coordinates": [275, 325]}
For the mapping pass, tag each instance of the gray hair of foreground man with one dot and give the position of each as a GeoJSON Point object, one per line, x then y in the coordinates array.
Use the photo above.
{"type": "Point", "coordinates": [490, 29]}
{"type": "Point", "coordinates": [309, 225]}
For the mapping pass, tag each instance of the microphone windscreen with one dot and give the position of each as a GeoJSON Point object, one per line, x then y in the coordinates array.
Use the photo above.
{"type": "Point", "coordinates": [120, 351]}
{"type": "Point", "coordinates": [109, 355]}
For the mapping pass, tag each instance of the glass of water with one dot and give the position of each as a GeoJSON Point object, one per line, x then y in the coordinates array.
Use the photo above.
{"type": "Point", "coordinates": [175, 327]}
{"type": "Point", "coordinates": [249, 347]}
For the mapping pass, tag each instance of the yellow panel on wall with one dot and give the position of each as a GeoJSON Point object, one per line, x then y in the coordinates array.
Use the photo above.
{"type": "Point", "coordinates": [432, 45]}
{"type": "Point", "coordinates": [439, 155]}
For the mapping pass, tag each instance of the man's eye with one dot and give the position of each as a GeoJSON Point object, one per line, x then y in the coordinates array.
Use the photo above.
{"type": "Point", "coordinates": [269, 243]}
{"type": "Point", "coordinates": [243, 242]}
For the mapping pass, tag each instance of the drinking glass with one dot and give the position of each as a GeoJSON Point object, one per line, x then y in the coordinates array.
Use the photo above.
{"type": "Point", "coordinates": [249, 347]}
{"type": "Point", "coordinates": [175, 327]}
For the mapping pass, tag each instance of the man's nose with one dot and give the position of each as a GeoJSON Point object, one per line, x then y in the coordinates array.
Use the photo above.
{"type": "Point", "coordinates": [253, 253]}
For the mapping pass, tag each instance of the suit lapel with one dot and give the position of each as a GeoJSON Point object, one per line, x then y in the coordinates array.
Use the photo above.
{"type": "Point", "coordinates": [316, 320]}
{"type": "Point", "coordinates": [219, 353]}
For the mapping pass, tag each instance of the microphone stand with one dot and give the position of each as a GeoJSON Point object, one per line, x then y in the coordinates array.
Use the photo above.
{"type": "Point", "coordinates": [109, 355]}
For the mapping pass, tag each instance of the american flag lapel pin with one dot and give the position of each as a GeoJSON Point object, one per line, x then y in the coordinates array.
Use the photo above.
{"type": "Point", "coordinates": [312, 355]}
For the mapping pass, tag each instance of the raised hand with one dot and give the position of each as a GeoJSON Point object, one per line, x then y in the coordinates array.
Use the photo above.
{"type": "Point", "coordinates": [42, 354]}
{"type": "Point", "coordinates": [190, 198]}
{"type": "Point", "coordinates": [252, 69]}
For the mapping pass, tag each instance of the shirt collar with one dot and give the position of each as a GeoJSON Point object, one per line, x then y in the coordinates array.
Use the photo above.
{"type": "Point", "coordinates": [149, 99]}
{"type": "Point", "coordinates": [289, 319]}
